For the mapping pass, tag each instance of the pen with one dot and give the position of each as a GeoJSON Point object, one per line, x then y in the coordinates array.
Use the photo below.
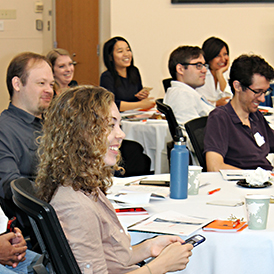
{"type": "Point", "coordinates": [175, 222]}
{"type": "Point", "coordinates": [135, 181]}
{"type": "Point", "coordinates": [205, 184]}
{"type": "Point", "coordinates": [138, 222]}
{"type": "Point", "coordinates": [237, 222]}
{"type": "Point", "coordinates": [213, 191]}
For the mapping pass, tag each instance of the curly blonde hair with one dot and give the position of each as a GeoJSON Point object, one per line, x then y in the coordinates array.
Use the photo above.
{"type": "Point", "coordinates": [74, 142]}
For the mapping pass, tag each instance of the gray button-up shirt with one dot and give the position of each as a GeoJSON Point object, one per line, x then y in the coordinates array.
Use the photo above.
{"type": "Point", "coordinates": [18, 146]}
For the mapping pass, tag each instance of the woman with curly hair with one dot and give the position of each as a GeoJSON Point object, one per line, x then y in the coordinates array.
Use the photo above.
{"type": "Point", "coordinates": [78, 151]}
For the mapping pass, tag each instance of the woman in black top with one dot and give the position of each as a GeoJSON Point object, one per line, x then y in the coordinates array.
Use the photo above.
{"type": "Point", "coordinates": [122, 78]}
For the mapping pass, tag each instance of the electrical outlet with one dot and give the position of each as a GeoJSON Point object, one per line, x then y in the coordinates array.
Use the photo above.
{"type": "Point", "coordinates": [39, 24]}
{"type": "Point", "coordinates": [7, 14]}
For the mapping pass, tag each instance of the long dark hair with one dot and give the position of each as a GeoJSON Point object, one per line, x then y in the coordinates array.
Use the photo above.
{"type": "Point", "coordinates": [132, 74]}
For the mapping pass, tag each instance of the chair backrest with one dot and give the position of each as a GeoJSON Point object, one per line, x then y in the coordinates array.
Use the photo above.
{"type": "Point", "coordinates": [11, 210]}
{"type": "Point", "coordinates": [50, 235]}
{"type": "Point", "coordinates": [166, 83]}
{"type": "Point", "coordinates": [134, 161]}
{"type": "Point", "coordinates": [172, 122]}
{"type": "Point", "coordinates": [195, 130]}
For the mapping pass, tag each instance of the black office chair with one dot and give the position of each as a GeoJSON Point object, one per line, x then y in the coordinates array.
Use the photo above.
{"type": "Point", "coordinates": [22, 222]}
{"type": "Point", "coordinates": [195, 130]}
{"type": "Point", "coordinates": [57, 255]}
{"type": "Point", "coordinates": [174, 128]}
{"type": "Point", "coordinates": [134, 161]}
{"type": "Point", "coordinates": [166, 83]}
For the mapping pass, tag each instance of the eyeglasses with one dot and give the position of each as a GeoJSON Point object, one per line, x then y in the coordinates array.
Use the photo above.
{"type": "Point", "coordinates": [198, 65]}
{"type": "Point", "coordinates": [259, 93]}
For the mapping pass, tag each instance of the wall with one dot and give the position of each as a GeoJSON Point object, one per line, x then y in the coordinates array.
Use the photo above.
{"type": "Point", "coordinates": [155, 27]}
{"type": "Point", "coordinates": [104, 27]}
{"type": "Point", "coordinates": [20, 35]}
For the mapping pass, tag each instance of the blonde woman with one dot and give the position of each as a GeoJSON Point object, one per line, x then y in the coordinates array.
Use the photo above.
{"type": "Point", "coordinates": [62, 68]}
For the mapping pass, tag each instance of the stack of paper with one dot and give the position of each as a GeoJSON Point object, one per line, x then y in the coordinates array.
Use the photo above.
{"type": "Point", "coordinates": [130, 211]}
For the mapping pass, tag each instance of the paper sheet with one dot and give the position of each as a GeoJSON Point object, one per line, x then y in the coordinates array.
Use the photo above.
{"type": "Point", "coordinates": [3, 221]}
{"type": "Point", "coordinates": [232, 203]}
{"type": "Point", "coordinates": [234, 174]}
{"type": "Point", "coordinates": [170, 222]}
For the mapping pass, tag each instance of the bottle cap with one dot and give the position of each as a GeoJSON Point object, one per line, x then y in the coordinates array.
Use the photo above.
{"type": "Point", "coordinates": [179, 137]}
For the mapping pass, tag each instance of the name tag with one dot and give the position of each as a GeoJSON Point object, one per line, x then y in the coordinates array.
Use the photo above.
{"type": "Point", "coordinates": [259, 139]}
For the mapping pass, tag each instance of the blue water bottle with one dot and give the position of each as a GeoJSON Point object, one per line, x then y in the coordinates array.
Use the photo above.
{"type": "Point", "coordinates": [179, 169]}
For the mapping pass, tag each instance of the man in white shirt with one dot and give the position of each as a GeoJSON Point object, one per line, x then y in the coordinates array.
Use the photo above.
{"type": "Point", "coordinates": [188, 70]}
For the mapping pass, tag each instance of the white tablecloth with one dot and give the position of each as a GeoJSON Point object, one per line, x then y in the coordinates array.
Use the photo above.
{"type": "Point", "coordinates": [153, 136]}
{"type": "Point", "coordinates": [245, 252]}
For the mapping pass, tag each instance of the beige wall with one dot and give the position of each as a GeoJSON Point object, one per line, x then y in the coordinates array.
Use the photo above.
{"type": "Point", "coordinates": [155, 27]}
{"type": "Point", "coordinates": [20, 35]}
{"type": "Point", "coordinates": [104, 27]}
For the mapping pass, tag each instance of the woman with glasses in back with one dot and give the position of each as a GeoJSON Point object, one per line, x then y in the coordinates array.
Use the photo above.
{"type": "Point", "coordinates": [216, 89]}
{"type": "Point", "coordinates": [122, 78]}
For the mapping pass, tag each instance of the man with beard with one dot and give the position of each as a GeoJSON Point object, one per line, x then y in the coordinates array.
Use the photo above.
{"type": "Point", "coordinates": [237, 135]}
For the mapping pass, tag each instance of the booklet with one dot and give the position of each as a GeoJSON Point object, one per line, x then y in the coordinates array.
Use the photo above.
{"type": "Point", "coordinates": [130, 211]}
{"type": "Point", "coordinates": [170, 222]}
{"type": "Point", "coordinates": [225, 226]}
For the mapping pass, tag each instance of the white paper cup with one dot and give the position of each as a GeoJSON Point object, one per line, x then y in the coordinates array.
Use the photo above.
{"type": "Point", "coordinates": [257, 211]}
{"type": "Point", "coordinates": [194, 179]}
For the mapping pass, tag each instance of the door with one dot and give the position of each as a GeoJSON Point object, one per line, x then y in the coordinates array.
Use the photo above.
{"type": "Point", "coordinates": [77, 30]}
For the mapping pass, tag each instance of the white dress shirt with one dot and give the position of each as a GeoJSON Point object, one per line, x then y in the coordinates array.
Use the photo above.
{"type": "Point", "coordinates": [186, 103]}
{"type": "Point", "coordinates": [210, 92]}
